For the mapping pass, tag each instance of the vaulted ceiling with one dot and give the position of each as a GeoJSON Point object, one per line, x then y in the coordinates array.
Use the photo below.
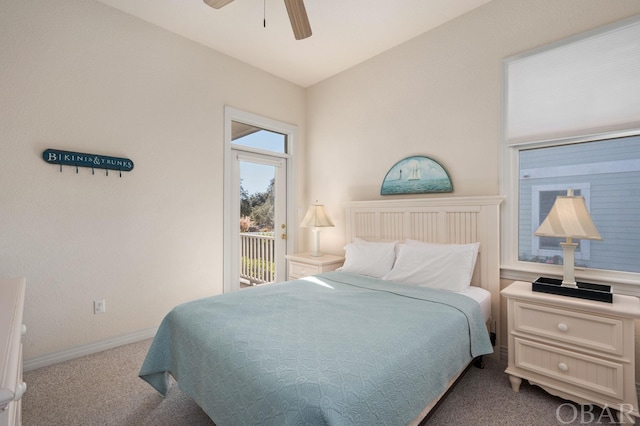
{"type": "Point", "coordinates": [345, 32]}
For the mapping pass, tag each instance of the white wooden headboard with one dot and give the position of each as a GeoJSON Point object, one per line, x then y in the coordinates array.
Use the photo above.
{"type": "Point", "coordinates": [450, 220]}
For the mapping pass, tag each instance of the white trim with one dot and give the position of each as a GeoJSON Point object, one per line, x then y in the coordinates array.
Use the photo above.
{"type": "Point", "coordinates": [268, 160]}
{"type": "Point", "coordinates": [589, 169]}
{"type": "Point", "coordinates": [233, 114]}
{"type": "Point", "coordinates": [249, 150]}
{"type": "Point", "coordinates": [92, 348]}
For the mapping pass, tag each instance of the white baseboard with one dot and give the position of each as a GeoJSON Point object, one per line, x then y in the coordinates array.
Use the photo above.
{"type": "Point", "coordinates": [92, 348]}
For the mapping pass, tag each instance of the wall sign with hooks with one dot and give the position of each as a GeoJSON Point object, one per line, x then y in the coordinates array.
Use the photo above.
{"type": "Point", "coordinates": [92, 161]}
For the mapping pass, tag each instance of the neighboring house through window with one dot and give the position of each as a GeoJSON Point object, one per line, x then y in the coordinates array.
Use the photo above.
{"type": "Point", "coordinates": [607, 174]}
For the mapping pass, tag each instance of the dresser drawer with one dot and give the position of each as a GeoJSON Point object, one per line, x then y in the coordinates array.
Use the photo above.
{"type": "Point", "coordinates": [589, 373]}
{"type": "Point", "coordinates": [569, 327]}
{"type": "Point", "coordinates": [300, 270]}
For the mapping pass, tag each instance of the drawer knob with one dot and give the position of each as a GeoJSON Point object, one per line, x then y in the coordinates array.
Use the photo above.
{"type": "Point", "coordinates": [563, 367]}
{"type": "Point", "coordinates": [23, 329]}
{"type": "Point", "coordinates": [563, 327]}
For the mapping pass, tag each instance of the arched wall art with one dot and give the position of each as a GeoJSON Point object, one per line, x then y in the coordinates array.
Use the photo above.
{"type": "Point", "coordinates": [416, 175]}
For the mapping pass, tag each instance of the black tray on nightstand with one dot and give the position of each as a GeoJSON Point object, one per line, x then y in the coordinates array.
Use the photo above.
{"type": "Point", "coordinates": [598, 292]}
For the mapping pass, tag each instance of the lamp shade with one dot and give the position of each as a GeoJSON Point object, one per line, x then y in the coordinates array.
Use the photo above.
{"type": "Point", "coordinates": [217, 4]}
{"type": "Point", "coordinates": [569, 218]}
{"type": "Point", "coordinates": [316, 217]}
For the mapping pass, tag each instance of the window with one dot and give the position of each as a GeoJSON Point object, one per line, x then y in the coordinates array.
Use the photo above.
{"type": "Point", "coordinates": [571, 120]}
{"type": "Point", "coordinates": [607, 174]}
{"type": "Point", "coordinates": [248, 136]}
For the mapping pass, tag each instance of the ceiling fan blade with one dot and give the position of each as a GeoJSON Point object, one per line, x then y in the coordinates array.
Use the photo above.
{"type": "Point", "coordinates": [217, 4]}
{"type": "Point", "coordinates": [299, 19]}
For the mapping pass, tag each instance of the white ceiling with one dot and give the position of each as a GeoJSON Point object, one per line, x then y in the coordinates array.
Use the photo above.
{"type": "Point", "coordinates": [345, 32]}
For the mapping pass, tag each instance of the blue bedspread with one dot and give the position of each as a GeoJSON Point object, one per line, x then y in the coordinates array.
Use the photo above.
{"type": "Point", "coordinates": [334, 349]}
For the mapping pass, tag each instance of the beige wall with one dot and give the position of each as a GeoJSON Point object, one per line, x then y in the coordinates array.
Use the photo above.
{"type": "Point", "coordinates": [77, 75]}
{"type": "Point", "coordinates": [437, 95]}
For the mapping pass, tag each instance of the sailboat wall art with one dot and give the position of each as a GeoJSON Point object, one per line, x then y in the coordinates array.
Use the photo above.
{"type": "Point", "coordinates": [416, 175]}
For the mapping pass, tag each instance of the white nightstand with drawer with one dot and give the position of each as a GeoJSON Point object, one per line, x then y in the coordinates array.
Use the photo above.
{"type": "Point", "coordinates": [303, 264]}
{"type": "Point", "coordinates": [577, 349]}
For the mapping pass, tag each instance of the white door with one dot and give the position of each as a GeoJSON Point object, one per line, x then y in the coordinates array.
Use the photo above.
{"type": "Point", "coordinates": [257, 197]}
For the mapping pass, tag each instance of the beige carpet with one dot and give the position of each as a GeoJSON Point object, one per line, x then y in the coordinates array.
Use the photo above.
{"type": "Point", "coordinates": [104, 389]}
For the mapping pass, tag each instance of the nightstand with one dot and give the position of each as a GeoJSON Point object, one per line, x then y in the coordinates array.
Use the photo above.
{"type": "Point", "coordinates": [303, 264]}
{"type": "Point", "coordinates": [580, 350]}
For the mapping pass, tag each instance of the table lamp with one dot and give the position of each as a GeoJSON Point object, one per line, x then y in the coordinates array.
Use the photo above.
{"type": "Point", "coordinates": [316, 219]}
{"type": "Point", "coordinates": [569, 218]}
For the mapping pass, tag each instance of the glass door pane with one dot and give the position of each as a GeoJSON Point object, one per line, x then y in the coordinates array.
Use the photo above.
{"type": "Point", "coordinates": [257, 230]}
{"type": "Point", "coordinates": [262, 219]}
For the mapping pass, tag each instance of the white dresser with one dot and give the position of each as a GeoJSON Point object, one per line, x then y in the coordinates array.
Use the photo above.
{"type": "Point", "coordinates": [12, 387]}
{"type": "Point", "coordinates": [577, 349]}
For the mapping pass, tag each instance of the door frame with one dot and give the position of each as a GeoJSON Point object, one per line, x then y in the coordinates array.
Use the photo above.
{"type": "Point", "coordinates": [230, 224]}
{"type": "Point", "coordinates": [279, 165]}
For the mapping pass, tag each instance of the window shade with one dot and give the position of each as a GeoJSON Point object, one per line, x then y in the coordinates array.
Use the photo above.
{"type": "Point", "coordinates": [588, 85]}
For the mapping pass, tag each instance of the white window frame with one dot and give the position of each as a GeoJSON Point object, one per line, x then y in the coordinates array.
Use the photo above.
{"type": "Point", "coordinates": [514, 269]}
{"type": "Point", "coordinates": [511, 267]}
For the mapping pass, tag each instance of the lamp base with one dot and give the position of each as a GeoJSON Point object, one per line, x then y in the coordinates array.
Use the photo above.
{"type": "Point", "coordinates": [569, 284]}
{"type": "Point", "coordinates": [316, 246]}
{"type": "Point", "coordinates": [597, 292]}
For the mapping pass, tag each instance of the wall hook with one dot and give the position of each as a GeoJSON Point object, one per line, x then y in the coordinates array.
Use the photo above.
{"type": "Point", "coordinates": [78, 159]}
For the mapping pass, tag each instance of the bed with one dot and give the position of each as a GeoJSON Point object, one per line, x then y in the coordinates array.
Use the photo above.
{"type": "Point", "coordinates": [344, 347]}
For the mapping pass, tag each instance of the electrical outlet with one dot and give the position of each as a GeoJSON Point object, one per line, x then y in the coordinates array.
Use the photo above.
{"type": "Point", "coordinates": [99, 307]}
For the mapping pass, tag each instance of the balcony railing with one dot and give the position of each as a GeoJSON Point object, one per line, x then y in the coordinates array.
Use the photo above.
{"type": "Point", "coordinates": [257, 251]}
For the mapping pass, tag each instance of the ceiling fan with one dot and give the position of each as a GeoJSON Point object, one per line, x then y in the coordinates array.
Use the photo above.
{"type": "Point", "coordinates": [295, 9]}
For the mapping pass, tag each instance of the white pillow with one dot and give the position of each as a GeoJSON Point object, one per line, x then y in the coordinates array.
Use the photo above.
{"type": "Point", "coordinates": [441, 266]}
{"type": "Point", "coordinates": [374, 259]}
{"type": "Point", "coordinates": [475, 253]}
